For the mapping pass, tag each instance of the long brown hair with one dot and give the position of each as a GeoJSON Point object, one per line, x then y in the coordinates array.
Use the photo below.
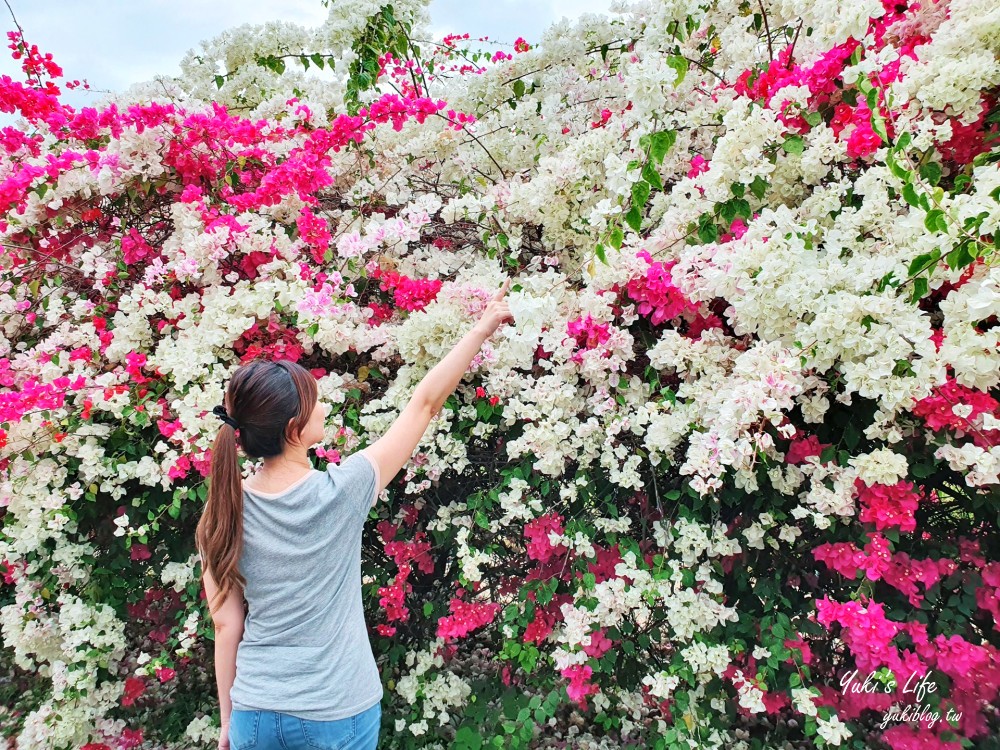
{"type": "Point", "coordinates": [270, 402]}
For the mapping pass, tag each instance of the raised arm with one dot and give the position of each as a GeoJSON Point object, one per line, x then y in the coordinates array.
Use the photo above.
{"type": "Point", "coordinates": [391, 451]}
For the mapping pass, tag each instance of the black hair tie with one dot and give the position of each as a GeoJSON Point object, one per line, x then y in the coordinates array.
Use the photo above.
{"type": "Point", "coordinates": [220, 412]}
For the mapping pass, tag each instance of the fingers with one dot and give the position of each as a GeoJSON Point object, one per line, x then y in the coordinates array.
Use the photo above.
{"type": "Point", "coordinates": [503, 290]}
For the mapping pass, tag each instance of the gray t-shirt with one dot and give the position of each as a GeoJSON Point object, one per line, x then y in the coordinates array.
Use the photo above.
{"type": "Point", "coordinates": [305, 649]}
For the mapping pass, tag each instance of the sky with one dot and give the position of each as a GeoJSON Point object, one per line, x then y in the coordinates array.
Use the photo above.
{"type": "Point", "coordinates": [114, 43]}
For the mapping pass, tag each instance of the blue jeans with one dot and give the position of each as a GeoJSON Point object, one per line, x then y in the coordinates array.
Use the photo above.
{"type": "Point", "coordinates": [272, 730]}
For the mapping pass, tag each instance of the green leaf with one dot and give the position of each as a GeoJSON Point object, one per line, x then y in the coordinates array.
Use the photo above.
{"type": "Point", "coordinates": [931, 171]}
{"type": "Point", "coordinates": [660, 144]}
{"type": "Point", "coordinates": [680, 64]}
{"type": "Point", "coordinates": [707, 230]}
{"type": "Point", "coordinates": [519, 88]}
{"type": "Point", "coordinates": [219, 81]}
{"type": "Point", "coordinates": [617, 236]}
{"type": "Point", "coordinates": [634, 218]}
{"type": "Point", "coordinates": [601, 255]}
{"type": "Point", "coordinates": [640, 193]}
{"type": "Point", "coordinates": [878, 126]}
{"type": "Point", "coordinates": [895, 167]}
{"type": "Point", "coordinates": [728, 212]}
{"type": "Point", "coordinates": [960, 257]}
{"type": "Point", "coordinates": [934, 218]}
{"type": "Point", "coordinates": [923, 262]}
{"type": "Point", "coordinates": [468, 738]}
{"type": "Point", "coordinates": [759, 187]}
{"type": "Point", "coordinates": [650, 175]}
{"type": "Point", "coordinates": [793, 144]}
{"type": "Point", "coordinates": [851, 435]}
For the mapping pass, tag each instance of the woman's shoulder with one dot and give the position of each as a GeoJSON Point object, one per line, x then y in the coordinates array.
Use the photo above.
{"type": "Point", "coordinates": [267, 490]}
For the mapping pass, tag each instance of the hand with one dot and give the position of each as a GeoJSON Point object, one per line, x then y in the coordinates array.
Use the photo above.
{"type": "Point", "coordinates": [224, 736]}
{"type": "Point", "coordinates": [496, 312]}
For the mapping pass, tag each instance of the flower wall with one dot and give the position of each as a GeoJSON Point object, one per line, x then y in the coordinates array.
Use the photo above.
{"type": "Point", "coordinates": [731, 481]}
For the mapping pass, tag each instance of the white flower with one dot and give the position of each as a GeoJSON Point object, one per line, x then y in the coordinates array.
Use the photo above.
{"type": "Point", "coordinates": [201, 729]}
{"type": "Point", "coordinates": [122, 523]}
{"type": "Point", "coordinates": [754, 535]}
{"type": "Point", "coordinates": [802, 701]}
{"type": "Point", "coordinates": [833, 730]}
{"type": "Point", "coordinates": [881, 466]}
{"type": "Point", "coordinates": [531, 312]}
{"type": "Point", "coordinates": [788, 533]}
{"type": "Point", "coordinates": [661, 684]}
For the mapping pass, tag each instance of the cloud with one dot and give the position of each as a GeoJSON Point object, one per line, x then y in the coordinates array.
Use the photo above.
{"type": "Point", "coordinates": [115, 43]}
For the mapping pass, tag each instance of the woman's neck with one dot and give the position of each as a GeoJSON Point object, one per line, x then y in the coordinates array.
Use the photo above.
{"type": "Point", "coordinates": [289, 463]}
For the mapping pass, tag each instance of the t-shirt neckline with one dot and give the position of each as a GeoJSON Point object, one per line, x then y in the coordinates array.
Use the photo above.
{"type": "Point", "coordinates": [289, 488]}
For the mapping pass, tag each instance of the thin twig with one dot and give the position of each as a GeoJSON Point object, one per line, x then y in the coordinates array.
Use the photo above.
{"type": "Point", "coordinates": [792, 48]}
{"type": "Point", "coordinates": [767, 30]}
{"type": "Point", "coordinates": [38, 76]}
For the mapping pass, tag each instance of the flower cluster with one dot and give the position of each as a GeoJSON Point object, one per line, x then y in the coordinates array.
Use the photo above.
{"type": "Point", "coordinates": [741, 440]}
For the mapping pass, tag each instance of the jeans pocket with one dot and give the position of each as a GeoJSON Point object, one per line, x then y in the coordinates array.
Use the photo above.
{"type": "Point", "coordinates": [243, 729]}
{"type": "Point", "coordinates": [329, 735]}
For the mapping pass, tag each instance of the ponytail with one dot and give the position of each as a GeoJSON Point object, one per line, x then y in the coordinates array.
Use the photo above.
{"type": "Point", "coordinates": [219, 535]}
{"type": "Point", "coordinates": [269, 401]}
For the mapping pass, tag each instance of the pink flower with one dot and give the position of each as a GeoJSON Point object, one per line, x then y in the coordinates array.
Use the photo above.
{"type": "Point", "coordinates": [135, 248]}
{"type": "Point", "coordinates": [409, 294]}
{"type": "Point", "coordinates": [910, 737]}
{"type": "Point", "coordinates": [802, 448]}
{"type": "Point", "coordinates": [589, 334]}
{"type": "Point", "coordinates": [863, 141]}
{"type": "Point", "coordinates": [698, 165]}
{"type": "Point", "coordinates": [131, 738]}
{"type": "Point", "coordinates": [579, 686]}
{"type": "Point", "coordinates": [888, 505]}
{"type": "Point", "coordinates": [314, 232]}
{"type": "Point", "coordinates": [599, 644]}
{"type": "Point", "coordinates": [134, 687]}
{"type": "Point", "coordinates": [466, 617]}
{"type": "Point", "coordinates": [537, 532]}
{"type": "Point", "coordinates": [656, 294]}
{"type": "Point", "coordinates": [164, 674]}
{"type": "Point", "coordinates": [937, 411]}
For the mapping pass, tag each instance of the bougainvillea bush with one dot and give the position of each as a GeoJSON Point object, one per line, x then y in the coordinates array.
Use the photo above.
{"type": "Point", "coordinates": [731, 480]}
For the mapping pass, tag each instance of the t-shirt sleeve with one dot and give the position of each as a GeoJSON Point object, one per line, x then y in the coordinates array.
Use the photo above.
{"type": "Point", "coordinates": [358, 481]}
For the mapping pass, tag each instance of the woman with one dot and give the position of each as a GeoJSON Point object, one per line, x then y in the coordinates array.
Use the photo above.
{"type": "Point", "coordinates": [298, 671]}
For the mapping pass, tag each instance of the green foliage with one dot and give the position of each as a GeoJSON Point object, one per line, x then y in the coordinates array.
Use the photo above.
{"type": "Point", "coordinates": [383, 33]}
